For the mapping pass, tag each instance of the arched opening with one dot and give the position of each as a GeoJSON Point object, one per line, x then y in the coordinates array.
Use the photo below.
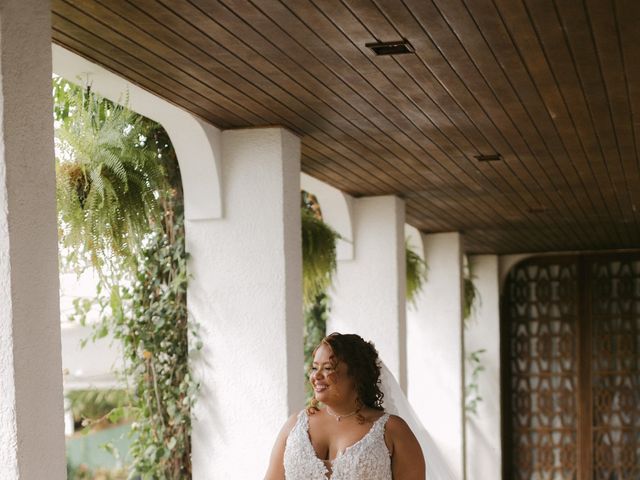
{"type": "Point", "coordinates": [121, 218]}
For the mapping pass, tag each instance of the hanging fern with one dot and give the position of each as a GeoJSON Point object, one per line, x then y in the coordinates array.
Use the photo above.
{"type": "Point", "coordinates": [318, 255]}
{"type": "Point", "coordinates": [107, 176]}
{"type": "Point", "coordinates": [120, 201]}
{"type": "Point", "coordinates": [416, 272]}
{"type": "Point", "coordinates": [470, 292]}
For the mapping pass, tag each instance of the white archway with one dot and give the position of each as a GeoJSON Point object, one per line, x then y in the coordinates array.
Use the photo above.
{"type": "Point", "coordinates": [197, 143]}
{"type": "Point", "coordinates": [337, 211]}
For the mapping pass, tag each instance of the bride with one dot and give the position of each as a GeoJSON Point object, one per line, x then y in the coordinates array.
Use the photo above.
{"type": "Point", "coordinates": [351, 437]}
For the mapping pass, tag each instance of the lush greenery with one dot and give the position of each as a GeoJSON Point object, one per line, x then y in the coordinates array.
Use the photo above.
{"type": "Point", "coordinates": [416, 272]}
{"type": "Point", "coordinates": [120, 206]}
{"type": "Point", "coordinates": [91, 407]}
{"type": "Point", "coordinates": [318, 251]}
{"type": "Point", "coordinates": [108, 176]}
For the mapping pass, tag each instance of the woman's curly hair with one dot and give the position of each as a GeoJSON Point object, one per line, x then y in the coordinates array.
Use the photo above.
{"type": "Point", "coordinates": [363, 366]}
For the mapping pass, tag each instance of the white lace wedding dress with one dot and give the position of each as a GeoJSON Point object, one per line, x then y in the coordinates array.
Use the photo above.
{"type": "Point", "coordinates": [367, 459]}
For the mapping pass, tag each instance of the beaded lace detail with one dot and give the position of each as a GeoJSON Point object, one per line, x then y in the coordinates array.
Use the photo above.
{"type": "Point", "coordinates": [367, 459]}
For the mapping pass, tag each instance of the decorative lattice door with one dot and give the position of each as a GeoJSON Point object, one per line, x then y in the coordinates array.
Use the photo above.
{"type": "Point", "coordinates": [571, 376]}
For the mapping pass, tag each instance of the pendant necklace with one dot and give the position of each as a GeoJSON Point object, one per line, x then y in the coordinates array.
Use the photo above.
{"type": "Point", "coordinates": [340, 417]}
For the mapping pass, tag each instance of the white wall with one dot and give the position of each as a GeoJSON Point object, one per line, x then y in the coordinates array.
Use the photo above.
{"type": "Point", "coordinates": [435, 349]}
{"type": "Point", "coordinates": [31, 405]}
{"type": "Point", "coordinates": [246, 293]}
{"type": "Point", "coordinates": [483, 435]}
{"type": "Point", "coordinates": [368, 293]}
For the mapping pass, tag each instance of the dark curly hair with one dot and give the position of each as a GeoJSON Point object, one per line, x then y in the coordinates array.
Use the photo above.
{"type": "Point", "coordinates": [363, 366]}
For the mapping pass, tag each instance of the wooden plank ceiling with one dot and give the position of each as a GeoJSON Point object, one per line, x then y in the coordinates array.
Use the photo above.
{"type": "Point", "coordinates": [553, 86]}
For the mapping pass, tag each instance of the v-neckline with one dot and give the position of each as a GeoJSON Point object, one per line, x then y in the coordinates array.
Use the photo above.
{"type": "Point", "coordinates": [344, 452]}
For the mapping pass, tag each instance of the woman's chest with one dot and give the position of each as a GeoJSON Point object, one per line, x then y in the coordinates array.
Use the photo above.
{"type": "Point", "coordinates": [330, 441]}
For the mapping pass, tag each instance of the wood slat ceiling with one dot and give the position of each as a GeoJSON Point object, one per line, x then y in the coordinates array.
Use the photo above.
{"type": "Point", "coordinates": [553, 86]}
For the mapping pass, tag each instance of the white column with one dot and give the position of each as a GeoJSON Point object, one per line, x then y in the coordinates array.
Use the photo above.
{"type": "Point", "coordinates": [435, 349]}
{"type": "Point", "coordinates": [246, 293]}
{"type": "Point", "coordinates": [484, 437]}
{"type": "Point", "coordinates": [368, 295]}
{"type": "Point", "coordinates": [31, 403]}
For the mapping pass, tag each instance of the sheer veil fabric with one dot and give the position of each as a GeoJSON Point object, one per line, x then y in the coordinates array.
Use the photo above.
{"type": "Point", "coordinates": [396, 402]}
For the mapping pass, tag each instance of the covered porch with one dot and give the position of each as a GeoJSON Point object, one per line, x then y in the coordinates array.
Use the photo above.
{"type": "Point", "coordinates": [495, 131]}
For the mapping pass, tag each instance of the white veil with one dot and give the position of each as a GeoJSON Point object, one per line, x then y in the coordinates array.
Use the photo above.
{"type": "Point", "coordinates": [396, 402]}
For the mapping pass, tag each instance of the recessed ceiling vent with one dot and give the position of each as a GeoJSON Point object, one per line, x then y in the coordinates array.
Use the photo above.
{"type": "Point", "coordinates": [391, 48]}
{"type": "Point", "coordinates": [537, 209]}
{"type": "Point", "coordinates": [494, 157]}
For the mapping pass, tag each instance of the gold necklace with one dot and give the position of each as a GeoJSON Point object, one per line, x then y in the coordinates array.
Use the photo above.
{"type": "Point", "coordinates": [340, 417]}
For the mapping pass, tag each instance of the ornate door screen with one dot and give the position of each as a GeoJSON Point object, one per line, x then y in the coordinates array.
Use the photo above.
{"type": "Point", "coordinates": [571, 376]}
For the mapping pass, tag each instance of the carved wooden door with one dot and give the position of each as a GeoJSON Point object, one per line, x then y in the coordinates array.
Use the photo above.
{"type": "Point", "coordinates": [571, 376]}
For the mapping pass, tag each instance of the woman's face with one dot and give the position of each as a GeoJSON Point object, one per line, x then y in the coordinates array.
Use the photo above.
{"type": "Point", "coordinates": [331, 383]}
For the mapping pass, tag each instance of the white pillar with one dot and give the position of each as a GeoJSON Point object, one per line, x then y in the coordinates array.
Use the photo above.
{"type": "Point", "coordinates": [368, 295]}
{"type": "Point", "coordinates": [484, 437]}
{"type": "Point", "coordinates": [246, 293]}
{"type": "Point", "coordinates": [31, 403]}
{"type": "Point", "coordinates": [435, 349]}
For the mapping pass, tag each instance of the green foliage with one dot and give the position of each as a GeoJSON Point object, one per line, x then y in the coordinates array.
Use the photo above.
{"type": "Point", "coordinates": [472, 391]}
{"type": "Point", "coordinates": [150, 319]}
{"type": "Point", "coordinates": [120, 201]}
{"type": "Point", "coordinates": [107, 176]}
{"type": "Point", "coordinates": [470, 293]}
{"type": "Point", "coordinates": [315, 329]}
{"type": "Point", "coordinates": [318, 256]}
{"type": "Point", "coordinates": [416, 272]}
{"type": "Point", "coordinates": [93, 406]}
{"type": "Point", "coordinates": [470, 298]}
{"type": "Point", "coordinates": [82, 472]}
{"type": "Point", "coordinates": [319, 264]}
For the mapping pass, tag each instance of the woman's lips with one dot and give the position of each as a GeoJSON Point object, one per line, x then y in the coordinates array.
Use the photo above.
{"type": "Point", "coordinates": [320, 388]}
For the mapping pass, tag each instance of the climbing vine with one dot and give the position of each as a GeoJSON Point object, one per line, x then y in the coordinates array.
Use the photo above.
{"type": "Point", "coordinates": [470, 299]}
{"type": "Point", "coordinates": [120, 208]}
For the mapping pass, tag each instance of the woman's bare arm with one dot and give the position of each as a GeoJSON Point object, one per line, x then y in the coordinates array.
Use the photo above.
{"type": "Point", "coordinates": [276, 463]}
{"type": "Point", "coordinates": [407, 459]}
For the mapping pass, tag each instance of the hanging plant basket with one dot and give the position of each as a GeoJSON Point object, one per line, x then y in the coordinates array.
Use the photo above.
{"type": "Point", "coordinates": [319, 261]}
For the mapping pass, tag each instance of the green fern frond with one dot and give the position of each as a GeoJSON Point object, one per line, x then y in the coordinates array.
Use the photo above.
{"type": "Point", "coordinates": [116, 196]}
{"type": "Point", "coordinates": [318, 256]}
{"type": "Point", "coordinates": [416, 272]}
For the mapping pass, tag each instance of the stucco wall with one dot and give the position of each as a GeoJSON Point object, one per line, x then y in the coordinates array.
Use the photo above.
{"type": "Point", "coordinates": [31, 406]}
{"type": "Point", "coordinates": [246, 293]}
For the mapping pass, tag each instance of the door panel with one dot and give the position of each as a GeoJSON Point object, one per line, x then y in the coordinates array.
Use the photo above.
{"type": "Point", "coordinates": [615, 378]}
{"type": "Point", "coordinates": [571, 382]}
{"type": "Point", "coordinates": [541, 360]}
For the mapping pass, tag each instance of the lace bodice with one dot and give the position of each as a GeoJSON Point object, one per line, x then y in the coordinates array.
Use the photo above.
{"type": "Point", "coordinates": [367, 459]}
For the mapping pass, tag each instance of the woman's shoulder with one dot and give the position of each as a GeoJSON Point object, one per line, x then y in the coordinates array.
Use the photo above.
{"type": "Point", "coordinates": [396, 427]}
{"type": "Point", "coordinates": [291, 422]}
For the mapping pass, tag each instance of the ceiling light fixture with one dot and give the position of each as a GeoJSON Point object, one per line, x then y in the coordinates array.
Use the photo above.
{"type": "Point", "coordinates": [391, 48]}
{"type": "Point", "coordinates": [495, 157]}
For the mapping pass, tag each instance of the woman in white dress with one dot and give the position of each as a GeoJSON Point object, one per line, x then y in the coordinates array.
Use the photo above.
{"type": "Point", "coordinates": [349, 437]}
